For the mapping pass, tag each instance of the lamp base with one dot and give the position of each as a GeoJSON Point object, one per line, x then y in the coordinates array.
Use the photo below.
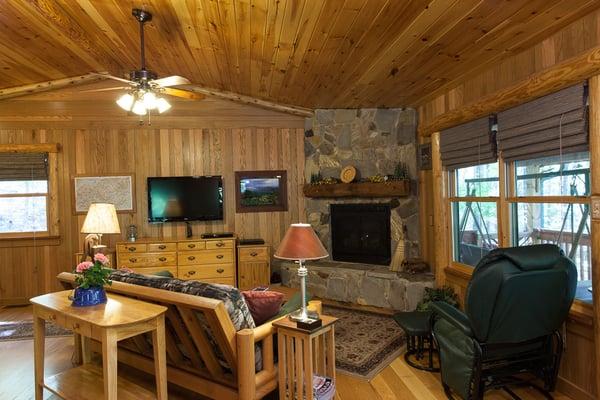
{"type": "Point", "coordinates": [298, 317]}
{"type": "Point", "coordinates": [99, 248]}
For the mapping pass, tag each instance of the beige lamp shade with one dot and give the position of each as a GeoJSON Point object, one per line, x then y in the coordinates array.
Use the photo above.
{"type": "Point", "coordinates": [300, 243]}
{"type": "Point", "coordinates": [101, 218]}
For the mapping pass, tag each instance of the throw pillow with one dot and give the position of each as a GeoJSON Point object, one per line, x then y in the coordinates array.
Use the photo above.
{"type": "Point", "coordinates": [263, 305]}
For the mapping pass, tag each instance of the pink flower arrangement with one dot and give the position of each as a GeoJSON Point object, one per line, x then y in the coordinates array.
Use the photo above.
{"type": "Point", "coordinates": [83, 266]}
{"type": "Point", "coordinates": [93, 273]}
{"type": "Point", "coordinates": [101, 258]}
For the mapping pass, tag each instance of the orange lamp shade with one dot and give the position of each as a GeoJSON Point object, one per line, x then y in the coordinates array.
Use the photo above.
{"type": "Point", "coordinates": [300, 243]}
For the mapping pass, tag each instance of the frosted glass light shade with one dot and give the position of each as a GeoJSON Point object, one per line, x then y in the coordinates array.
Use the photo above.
{"type": "Point", "coordinates": [125, 101]}
{"type": "Point", "coordinates": [162, 105]}
{"type": "Point", "coordinates": [139, 108]}
{"type": "Point", "coordinates": [149, 100]}
{"type": "Point", "coordinates": [101, 218]}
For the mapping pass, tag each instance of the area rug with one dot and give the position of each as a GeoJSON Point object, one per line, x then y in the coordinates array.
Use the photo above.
{"type": "Point", "coordinates": [24, 331]}
{"type": "Point", "coordinates": [365, 342]}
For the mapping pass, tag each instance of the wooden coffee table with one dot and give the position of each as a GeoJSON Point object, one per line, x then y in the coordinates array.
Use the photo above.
{"type": "Point", "coordinates": [120, 318]}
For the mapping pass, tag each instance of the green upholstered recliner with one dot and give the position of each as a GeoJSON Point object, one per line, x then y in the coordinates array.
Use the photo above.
{"type": "Point", "coordinates": [516, 302]}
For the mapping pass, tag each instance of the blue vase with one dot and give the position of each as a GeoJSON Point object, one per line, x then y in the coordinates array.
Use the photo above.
{"type": "Point", "coordinates": [89, 297]}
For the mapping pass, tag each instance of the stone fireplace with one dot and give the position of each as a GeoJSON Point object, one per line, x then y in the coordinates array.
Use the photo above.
{"type": "Point", "coordinates": [373, 141]}
{"type": "Point", "coordinates": [358, 272]}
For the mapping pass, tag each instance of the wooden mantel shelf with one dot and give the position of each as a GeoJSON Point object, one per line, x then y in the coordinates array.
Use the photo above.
{"type": "Point", "coordinates": [363, 189]}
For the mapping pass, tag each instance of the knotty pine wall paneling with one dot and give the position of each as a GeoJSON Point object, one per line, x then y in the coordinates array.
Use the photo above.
{"type": "Point", "coordinates": [578, 376]}
{"type": "Point", "coordinates": [29, 267]}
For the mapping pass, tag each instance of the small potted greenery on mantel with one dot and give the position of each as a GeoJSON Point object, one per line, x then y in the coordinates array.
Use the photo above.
{"type": "Point", "coordinates": [392, 185]}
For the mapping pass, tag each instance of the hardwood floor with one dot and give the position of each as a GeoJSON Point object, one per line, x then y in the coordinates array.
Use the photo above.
{"type": "Point", "coordinates": [396, 381]}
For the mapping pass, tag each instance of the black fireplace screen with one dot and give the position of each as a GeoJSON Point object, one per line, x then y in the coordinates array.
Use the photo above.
{"type": "Point", "coordinates": [361, 233]}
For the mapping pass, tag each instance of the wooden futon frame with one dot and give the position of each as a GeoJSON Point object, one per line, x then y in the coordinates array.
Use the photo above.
{"type": "Point", "coordinates": [192, 360]}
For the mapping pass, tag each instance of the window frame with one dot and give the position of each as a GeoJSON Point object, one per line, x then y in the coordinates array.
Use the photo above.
{"type": "Point", "coordinates": [52, 212]}
{"type": "Point", "coordinates": [505, 203]}
{"type": "Point", "coordinates": [513, 200]}
{"type": "Point", "coordinates": [454, 198]}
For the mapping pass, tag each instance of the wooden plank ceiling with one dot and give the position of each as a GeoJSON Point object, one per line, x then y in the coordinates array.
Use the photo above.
{"type": "Point", "coordinates": [312, 53]}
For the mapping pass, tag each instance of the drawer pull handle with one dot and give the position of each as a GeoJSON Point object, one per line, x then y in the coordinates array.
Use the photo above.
{"type": "Point", "coordinates": [219, 256]}
{"type": "Point", "coordinates": [220, 244]}
{"type": "Point", "coordinates": [254, 254]}
{"type": "Point", "coordinates": [220, 270]}
{"type": "Point", "coordinates": [191, 245]}
{"type": "Point", "coordinates": [162, 259]}
{"type": "Point", "coordinates": [192, 273]}
{"type": "Point", "coordinates": [131, 248]}
{"type": "Point", "coordinates": [162, 247]}
{"type": "Point", "coordinates": [133, 260]}
{"type": "Point", "coordinates": [76, 326]}
{"type": "Point", "coordinates": [191, 258]}
{"type": "Point", "coordinates": [52, 317]}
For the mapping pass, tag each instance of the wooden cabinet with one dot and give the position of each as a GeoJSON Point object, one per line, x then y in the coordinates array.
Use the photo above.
{"type": "Point", "coordinates": [254, 266]}
{"type": "Point", "coordinates": [208, 260]}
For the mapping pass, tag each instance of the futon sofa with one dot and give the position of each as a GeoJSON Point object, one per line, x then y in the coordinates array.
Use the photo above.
{"type": "Point", "coordinates": [213, 345]}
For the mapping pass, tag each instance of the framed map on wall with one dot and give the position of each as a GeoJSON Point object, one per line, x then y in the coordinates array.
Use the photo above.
{"type": "Point", "coordinates": [116, 189]}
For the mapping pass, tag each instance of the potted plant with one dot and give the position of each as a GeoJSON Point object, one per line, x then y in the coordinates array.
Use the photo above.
{"type": "Point", "coordinates": [90, 280]}
{"type": "Point", "coordinates": [444, 293]}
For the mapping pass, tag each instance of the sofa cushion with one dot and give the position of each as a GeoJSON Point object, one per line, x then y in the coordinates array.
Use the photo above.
{"type": "Point", "coordinates": [230, 296]}
{"type": "Point", "coordinates": [263, 304]}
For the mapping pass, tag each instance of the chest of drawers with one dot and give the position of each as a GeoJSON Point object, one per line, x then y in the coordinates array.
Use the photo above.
{"type": "Point", "coordinates": [209, 260]}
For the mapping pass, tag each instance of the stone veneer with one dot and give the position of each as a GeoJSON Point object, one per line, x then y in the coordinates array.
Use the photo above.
{"type": "Point", "coordinates": [373, 141]}
{"type": "Point", "coordinates": [360, 284]}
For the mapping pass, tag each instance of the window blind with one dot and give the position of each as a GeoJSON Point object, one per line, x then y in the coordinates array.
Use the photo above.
{"type": "Point", "coordinates": [469, 144]}
{"type": "Point", "coordinates": [23, 166]}
{"type": "Point", "coordinates": [551, 125]}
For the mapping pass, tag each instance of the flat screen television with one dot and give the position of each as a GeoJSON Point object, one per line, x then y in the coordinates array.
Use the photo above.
{"type": "Point", "coordinates": [185, 198]}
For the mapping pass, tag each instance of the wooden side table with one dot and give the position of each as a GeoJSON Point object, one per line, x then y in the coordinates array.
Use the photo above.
{"type": "Point", "coordinates": [302, 354]}
{"type": "Point", "coordinates": [120, 318]}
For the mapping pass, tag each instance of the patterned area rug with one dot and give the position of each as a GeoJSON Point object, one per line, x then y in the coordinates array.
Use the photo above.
{"type": "Point", "coordinates": [365, 342]}
{"type": "Point", "coordinates": [24, 331]}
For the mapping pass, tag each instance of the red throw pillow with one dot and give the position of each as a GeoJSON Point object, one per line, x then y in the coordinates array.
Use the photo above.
{"type": "Point", "coordinates": [263, 305]}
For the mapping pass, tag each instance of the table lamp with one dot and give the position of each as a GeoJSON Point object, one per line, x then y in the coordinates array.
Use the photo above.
{"type": "Point", "coordinates": [101, 219]}
{"type": "Point", "coordinates": [300, 243]}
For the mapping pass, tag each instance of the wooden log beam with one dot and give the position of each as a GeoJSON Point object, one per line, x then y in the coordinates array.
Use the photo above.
{"type": "Point", "coordinates": [440, 233]}
{"type": "Point", "coordinates": [594, 132]}
{"type": "Point", "coordinates": [25, 90]}
{"type": "Point", "coordinates": [550, 80]}
{"type": "Point", "coordinates": [240, 98]}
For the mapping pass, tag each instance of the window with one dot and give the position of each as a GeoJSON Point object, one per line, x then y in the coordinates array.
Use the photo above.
{"type": "Point", "coordinates": [23, 206]}
{"type": "Point", "coordinates": [474, 210]}
{"type": "Point", "coordinates": [26, 208]}
{"type": "Point", "coordinates": [551, 206]}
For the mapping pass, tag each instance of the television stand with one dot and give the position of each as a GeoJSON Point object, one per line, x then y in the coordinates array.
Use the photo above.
{"type": "Point", "coordinates": [188, 230]}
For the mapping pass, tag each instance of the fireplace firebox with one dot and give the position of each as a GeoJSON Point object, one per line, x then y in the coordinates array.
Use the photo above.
{"type": "Point", "coordinates": [361, 233]}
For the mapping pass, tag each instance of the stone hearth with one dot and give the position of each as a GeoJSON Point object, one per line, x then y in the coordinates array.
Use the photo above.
{"type": "Point", "coordinates": [360, 284]}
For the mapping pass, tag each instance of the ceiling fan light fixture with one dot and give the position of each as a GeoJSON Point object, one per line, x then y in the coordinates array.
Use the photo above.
{"type": "Point", "coordinates": [162, 105]}
{"type": "Point", "coordinates": [126, 101]}
{"type": "Point", "coordinates": [150, 101]}
{"type": "Point", "coordinates": [138, 108]}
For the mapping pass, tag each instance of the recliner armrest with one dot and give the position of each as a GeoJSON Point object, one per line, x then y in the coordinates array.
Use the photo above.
{"type": "Point", "coordinates": [453, 315]}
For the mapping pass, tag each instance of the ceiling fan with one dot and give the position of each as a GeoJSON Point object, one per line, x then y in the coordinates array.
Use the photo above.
{"type": "Point", "coordinates": [144, 88]}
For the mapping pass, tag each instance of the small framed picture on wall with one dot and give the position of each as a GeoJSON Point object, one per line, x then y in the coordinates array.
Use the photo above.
{"type": "Point", "coordinates": [261, 191]}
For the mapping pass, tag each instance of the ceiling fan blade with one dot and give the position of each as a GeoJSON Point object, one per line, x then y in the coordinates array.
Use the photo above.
{"type": "Point", "coordinates": [183, 93]}
{"type": "Point", "coordinates": [106, 89]}
{"type": "Point", "coordinates": [116, 78]}
{"type": "Point", "coordinates": [173, 80]}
